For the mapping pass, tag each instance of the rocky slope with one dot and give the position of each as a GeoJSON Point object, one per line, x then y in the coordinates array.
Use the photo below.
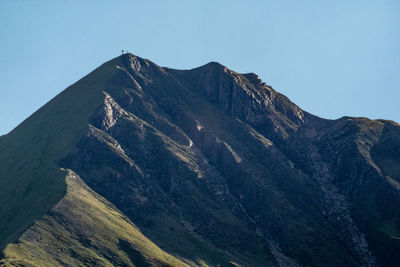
{"type": "Point", "coordinates": [213, 167]}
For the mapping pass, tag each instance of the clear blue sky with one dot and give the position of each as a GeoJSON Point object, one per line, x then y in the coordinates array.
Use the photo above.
{"type": "Point", "coordinates": [332, 58]}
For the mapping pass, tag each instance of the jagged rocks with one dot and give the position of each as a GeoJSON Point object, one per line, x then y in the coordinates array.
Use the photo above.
{"type": "Point", "coordinates": [217, 167]}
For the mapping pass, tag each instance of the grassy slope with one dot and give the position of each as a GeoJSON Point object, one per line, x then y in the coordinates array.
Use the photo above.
{"type": "Point", "coordinates": [379, 201]}
{"type": "Point", "coordinates": [29, 168]}
{"type": "Point", "coordinates": [85, 229]}
{"type": "Point", "coordinates": [29, 153]}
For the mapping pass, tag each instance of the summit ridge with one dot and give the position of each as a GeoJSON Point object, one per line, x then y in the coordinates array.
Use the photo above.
{"type": "Point", "coordinates": [193, 168]}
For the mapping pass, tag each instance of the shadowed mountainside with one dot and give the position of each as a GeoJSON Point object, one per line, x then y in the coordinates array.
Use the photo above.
{"type": "Point", "coordinates": [213, 167]}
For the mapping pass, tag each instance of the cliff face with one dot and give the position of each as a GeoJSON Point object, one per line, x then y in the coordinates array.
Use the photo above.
{"type": "Point", "coordinates": [216, 167]}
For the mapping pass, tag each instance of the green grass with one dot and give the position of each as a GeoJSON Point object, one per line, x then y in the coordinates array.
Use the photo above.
{"type": "Point", "coordinates": [32, 183]}
{"type": "Point", "coordinates": [30, 180]}
{"type": "Point", "coordinates": [85, 229]}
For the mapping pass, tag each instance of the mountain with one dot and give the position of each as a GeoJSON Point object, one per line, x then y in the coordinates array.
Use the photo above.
{"type": "Point", "coordinates": [141, 165]}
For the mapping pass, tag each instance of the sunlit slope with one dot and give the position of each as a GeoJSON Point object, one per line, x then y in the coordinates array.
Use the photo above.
{"type": "Point", "coordinates": [85, 229]}
{"type": "Point", "coordinates": [214, 167]}
{"type": "Point", "coordinates": [30, 180]}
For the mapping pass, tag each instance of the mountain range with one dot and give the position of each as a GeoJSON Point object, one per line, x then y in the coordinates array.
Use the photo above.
{"type": "Point", "coordinates": [141, 165]}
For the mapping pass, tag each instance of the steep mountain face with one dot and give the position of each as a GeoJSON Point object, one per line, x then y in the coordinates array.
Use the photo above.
{"type": "Point", "coordinates": [141, 165]}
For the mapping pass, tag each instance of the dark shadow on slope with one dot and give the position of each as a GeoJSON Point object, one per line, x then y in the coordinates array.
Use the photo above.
{"type": "Point", "coordinates": [133, 254]}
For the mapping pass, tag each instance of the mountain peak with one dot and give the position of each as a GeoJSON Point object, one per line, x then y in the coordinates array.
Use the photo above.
{"type": "Point", "coordinates": [214, 64]}
{"type": "Point", "coordinates": [212, 166]}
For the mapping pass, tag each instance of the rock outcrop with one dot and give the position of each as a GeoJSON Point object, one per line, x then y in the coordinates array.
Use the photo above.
{"type": "Point", "coordinates": [216, 167]}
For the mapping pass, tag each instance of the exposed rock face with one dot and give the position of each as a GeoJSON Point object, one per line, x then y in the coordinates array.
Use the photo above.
{"type": "Point", "coordinates": [217, 167]}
